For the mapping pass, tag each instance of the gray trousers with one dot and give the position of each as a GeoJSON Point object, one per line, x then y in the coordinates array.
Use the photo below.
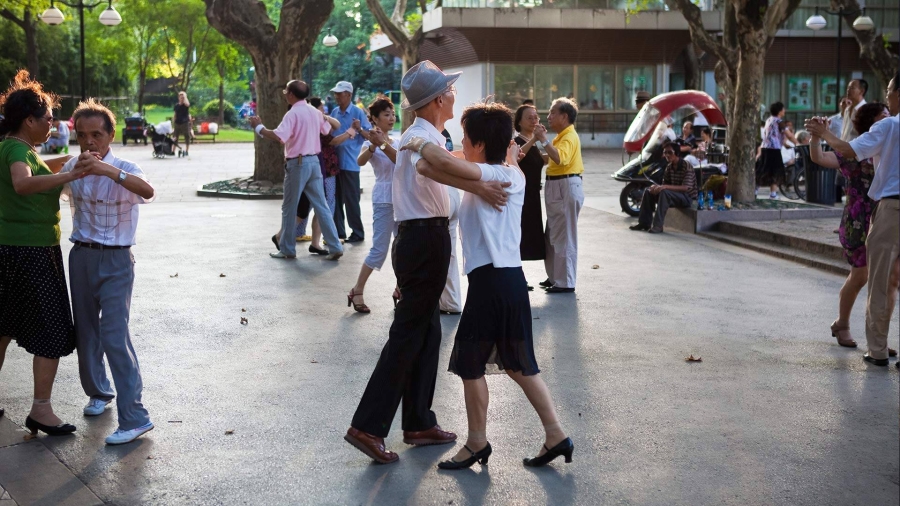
{"type": "Point", "coordinates": [304, 175]}
{"type": "Point", "coordinates": [563, 199]}
{"type": "Point", "coordinates": [102, 281]}
{"type": "Point", "coordinates": [660, 203]}
{"type": "Point", "coordinates": [347, 196]}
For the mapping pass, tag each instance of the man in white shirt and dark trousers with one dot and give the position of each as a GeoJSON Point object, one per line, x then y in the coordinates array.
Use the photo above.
{"type": "Point", "coordinates": [101, 270]}
{"type": "Point", "coordinates": [407, 367]}
{"type": "Point", "coordinates": [881, 142]}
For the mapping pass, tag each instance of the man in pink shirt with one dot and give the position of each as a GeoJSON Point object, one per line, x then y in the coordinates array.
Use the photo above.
{"type": "Point", "coordinates": [299, 132]}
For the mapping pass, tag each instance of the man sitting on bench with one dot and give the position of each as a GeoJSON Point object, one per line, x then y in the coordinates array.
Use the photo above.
{"type": "Point", "coordinates": [678, 189]}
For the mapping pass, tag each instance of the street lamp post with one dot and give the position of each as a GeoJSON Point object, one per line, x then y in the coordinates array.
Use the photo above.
{"type": "Point", "coordinates": [862, 23]}
{"type": "Point", "coordinates": [108, 17]}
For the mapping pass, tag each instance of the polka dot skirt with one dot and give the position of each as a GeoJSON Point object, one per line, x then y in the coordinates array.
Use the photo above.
{"type": "Point", "coordinates": [34, 300]}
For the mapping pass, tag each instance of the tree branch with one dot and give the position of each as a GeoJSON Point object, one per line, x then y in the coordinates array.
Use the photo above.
{"type": "Point", "coordinates": [395, 32]}
{"type": "Point", "coordinates": [699, 35]}
{"type": "Point", "coordinates": [777, 14]}
{"type": "Point", "coordinates": [8, 14]}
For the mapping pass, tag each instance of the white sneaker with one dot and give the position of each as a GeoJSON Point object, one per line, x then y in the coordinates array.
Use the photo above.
{"type": "Point", "coordinates": [126, 436]}
{"type": "Point", "coordinates": [96, 407]}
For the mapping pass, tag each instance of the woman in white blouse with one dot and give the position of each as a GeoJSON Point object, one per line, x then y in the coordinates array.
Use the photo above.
{"type": "Point", "coordinates": [494, 333]}
{"type": "Point", "coordinates": [381, 151]}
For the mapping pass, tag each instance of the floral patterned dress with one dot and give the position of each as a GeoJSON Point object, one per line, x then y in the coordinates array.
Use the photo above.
{"type": "Point", "coordinates": [855, 221]}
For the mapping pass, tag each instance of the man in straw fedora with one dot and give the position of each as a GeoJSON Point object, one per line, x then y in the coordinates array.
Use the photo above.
{"type": "Point", "coordinates": [407, 367]}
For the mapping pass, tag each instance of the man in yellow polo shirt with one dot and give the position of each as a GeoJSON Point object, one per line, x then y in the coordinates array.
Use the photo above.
{"type": "Point", "coordinates": [563, 196]}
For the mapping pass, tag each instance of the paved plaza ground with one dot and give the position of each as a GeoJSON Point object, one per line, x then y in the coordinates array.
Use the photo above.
{"type": "Point", "coordinates": [776, 413]}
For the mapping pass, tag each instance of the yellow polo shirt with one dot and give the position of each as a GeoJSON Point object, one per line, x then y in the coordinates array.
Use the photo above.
{"type": "Point", "coordinates": [569, 146]}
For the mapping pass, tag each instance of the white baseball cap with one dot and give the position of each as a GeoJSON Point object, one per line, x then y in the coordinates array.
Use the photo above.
{"type": "Point", "coordinates": [343, 86]}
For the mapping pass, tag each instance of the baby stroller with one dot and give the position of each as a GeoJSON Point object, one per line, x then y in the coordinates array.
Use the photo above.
{"type": "Point", "coordinates": [163, 144]}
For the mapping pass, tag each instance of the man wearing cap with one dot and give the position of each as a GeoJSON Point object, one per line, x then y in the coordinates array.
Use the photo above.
{"type": "Point", "coordinates": [641, 98]}
{"type": "Point", "coordinates": [407, 367]}
{"type": "Point", "coordinates": [347, 191]}
{"type": "Point", "coordinates": [299, 132]}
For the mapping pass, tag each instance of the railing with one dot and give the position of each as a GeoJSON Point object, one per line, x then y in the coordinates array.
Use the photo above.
{"type": "Point", "coordinates": [653, 5]}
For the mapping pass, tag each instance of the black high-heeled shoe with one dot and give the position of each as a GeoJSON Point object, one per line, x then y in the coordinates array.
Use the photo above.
{"type": "Point", "coordinates": [479, 456]}
{"type": "Point", "coordinates": [58, 430]}
{"type": "Point", "coordinates": [564, 448]}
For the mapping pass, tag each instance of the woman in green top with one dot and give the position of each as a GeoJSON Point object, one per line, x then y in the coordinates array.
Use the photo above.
{"type": "Point", "coordinates": [34, 300]}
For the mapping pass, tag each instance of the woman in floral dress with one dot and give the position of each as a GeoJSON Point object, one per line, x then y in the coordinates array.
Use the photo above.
{"type": "Point", "coordinates": [855, 221]}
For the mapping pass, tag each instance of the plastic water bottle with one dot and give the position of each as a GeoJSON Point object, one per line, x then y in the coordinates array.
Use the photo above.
{"type": "Point", "coordinates": [709, 200]}
{"type": "Point", "coordinates": [700, 200]}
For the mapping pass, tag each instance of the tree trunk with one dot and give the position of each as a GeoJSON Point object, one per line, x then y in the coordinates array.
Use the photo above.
{"type": "Point", "coordinates": [410, 57]}
{"type": "Point", "coordinates": [270, 107]}
{"type": "Point", "coordinates": [220, 68]}
{"type": "Point", "coordinates": [30, 27]}
{"type": "Point", "coordinates": [693, 78]}
{"type": "Point", "coordinates": [142, 85]}
{"type": "Point", "coordinates": [744, 125]}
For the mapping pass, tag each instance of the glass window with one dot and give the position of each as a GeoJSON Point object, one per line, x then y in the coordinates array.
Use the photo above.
{"type": "Point", "coordinates": [552, 82]}
{"type": "Point", "coordinates": [828, 94]}
{"type": "Point", "coordinates": [799, 96]}
{"type": "Point", "coordinates": [513, 84]}
{"type": "Point", "coordinates": [631, 81]}
{"type": "Point", "coordinates": [596, 87]}
{"type": "Point", "coordinates": [772, 89]}
{"type": "Point", "coordinates": [676, 82]}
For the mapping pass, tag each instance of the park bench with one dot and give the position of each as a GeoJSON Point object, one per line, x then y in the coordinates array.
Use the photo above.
{"type": "Point", "coordinates": [199, 136]}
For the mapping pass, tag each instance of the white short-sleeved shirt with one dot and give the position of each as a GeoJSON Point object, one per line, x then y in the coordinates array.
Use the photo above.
{"type": "Point", "coordinates": [490, 236]}
{"type": "Point", "coordinates": [882, 142]}
{"type": "Point", "coordinates": [103, 211]}
{"type": "Point", "coordinates": [414, 196]}
{"type": "Point", "coordinates": [384, 173]}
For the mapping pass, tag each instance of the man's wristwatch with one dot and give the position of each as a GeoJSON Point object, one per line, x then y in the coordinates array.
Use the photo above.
{"type": "Point", "coordinates": [383, 145]}
{"type": "Point", "coordinates": [122, 176]}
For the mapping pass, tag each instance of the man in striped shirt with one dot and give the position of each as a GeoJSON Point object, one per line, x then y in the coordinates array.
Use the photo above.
{"type": "Point", "coordinates": [678, 189]}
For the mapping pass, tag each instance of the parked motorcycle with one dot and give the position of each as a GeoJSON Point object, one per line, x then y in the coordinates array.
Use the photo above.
{"type": "Point", "coordinates": [642, 136]}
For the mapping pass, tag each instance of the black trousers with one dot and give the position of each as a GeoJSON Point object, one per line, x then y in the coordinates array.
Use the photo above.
{"type": "Point", "coordinates": [407, 367]}
{"type": "Point", "coordinates": [346, 196]}
{"type": "Point", "coordinates": [660, 203]}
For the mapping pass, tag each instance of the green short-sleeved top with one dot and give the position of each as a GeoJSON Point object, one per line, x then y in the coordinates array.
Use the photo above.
{"type": "Point", "coordinates": [26, 220]}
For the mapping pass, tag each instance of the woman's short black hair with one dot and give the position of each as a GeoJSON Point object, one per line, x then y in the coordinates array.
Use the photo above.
{"type": "Point", "coordinates": [519, 113]}
{"type": "Point", "coordinates": [314, 101]}
{"type": "Point", "coordinates": [566, 106]}
{"type": "Point", "coordinates": [865, 116]}
{"type": "Point", "coordinates": [491, 125]}
{"type": "Point", "coordinates": [776, 108]}
{"type": "Point", "coordinates": [378, 106]}
{"type": "Point", "coordinates": [24, 97]}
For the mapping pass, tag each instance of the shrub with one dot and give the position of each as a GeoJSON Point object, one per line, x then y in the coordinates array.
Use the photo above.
{"type": "Point", "coordinates": [211, 111]}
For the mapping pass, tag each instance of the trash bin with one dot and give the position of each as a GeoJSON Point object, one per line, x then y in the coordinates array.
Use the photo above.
{"type": "Point", "coordinates": [819, 180]}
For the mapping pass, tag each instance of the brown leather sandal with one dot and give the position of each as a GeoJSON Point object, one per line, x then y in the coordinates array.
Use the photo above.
{"type": "Point", "coordinates": [361, 308]}
{"type": "Point", "coordinates": [843, 335]}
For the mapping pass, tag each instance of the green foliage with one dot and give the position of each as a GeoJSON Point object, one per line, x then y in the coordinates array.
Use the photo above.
{"type": "Point", "coordinates": [211, 111]}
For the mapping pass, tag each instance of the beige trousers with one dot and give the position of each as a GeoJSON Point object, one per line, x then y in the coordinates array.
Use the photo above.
{"type": "Point", "coordinates": [882, 250]}
{"type": "Point", "coordinates": [451, 298]}
{"type": "Point", "coordinates": [563, 199]}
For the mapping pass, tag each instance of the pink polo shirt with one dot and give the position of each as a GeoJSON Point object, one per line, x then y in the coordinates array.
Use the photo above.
{"type": "Point", "coordinates": [300, 128]}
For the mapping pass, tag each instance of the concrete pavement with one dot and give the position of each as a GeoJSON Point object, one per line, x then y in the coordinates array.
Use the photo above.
{"type": "Point", "coordinates": [776, 413]}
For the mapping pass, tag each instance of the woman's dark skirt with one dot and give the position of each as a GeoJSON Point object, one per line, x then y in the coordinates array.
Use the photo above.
{"type": "Point", "coordinates": [770, 169]}
{"type": "Point", "coordinates": [34, 300]}
{"type": "Point", "coordinates": [494, 331]}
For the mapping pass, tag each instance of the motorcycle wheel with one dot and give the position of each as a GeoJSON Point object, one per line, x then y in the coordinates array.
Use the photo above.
{"type": "Point", "coordinates": [630, 198]}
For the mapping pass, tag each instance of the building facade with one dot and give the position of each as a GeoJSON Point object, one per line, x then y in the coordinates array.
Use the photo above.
{"type": "Point", "coordinates": [596, 54]}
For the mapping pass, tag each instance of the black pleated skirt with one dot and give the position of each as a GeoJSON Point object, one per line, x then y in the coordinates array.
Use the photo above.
{"type": "Point", "coordinates": [770, 167]}
{"type": "Point", "coordinates": [494, 332]}
{"type": "Point", "coordinates": [34, 300]}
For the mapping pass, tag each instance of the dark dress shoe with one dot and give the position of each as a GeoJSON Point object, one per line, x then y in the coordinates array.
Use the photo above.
{"type": "Point", "coordinates": [479, 456]}
{"type": "Point", "coordinates": [432, 436]}
{"type": "Point", "coordinates": [318, 251]}
{"type": "Point", "coordinates": [373, 446]}
{"type": "Point", "coordinates": [355, 238]}
{"type": "Point", "coordinates": [455, 313]}
{"type": "Point", "coordinates": [655, 231]}
{"type": "Point", "coordinates": [58, 430]}
{"type": "Point", "coordinates": [558, 289]}
{"type": "Point", "coordinates": [639, 228]}
{"type": "Point", "coordinates": [564, 448]}
{"type": "Point", "coordinates": [546, 283]}
{"type": "Point", "coordinates": [883, 362]}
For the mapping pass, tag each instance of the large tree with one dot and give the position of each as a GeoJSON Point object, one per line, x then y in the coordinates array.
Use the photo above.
{"type": "Point", "coordinates": [872, 48]}
{"type": "Point", "coordinates": [277, 54]}
{"type": "Point", "coordinates": [749, 31]}
{"type": "Point", "coordinates": [24, 14]}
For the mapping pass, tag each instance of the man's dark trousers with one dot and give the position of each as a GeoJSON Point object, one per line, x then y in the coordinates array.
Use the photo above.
{"type": "Point", "coordinates": [407, 367]}
{"type": "Point", "coordinates": [347, 194]}
{"type": "Point", "coordinates": [661, 202]}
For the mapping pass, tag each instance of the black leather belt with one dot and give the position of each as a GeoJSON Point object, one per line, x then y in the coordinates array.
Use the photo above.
{"type": "Point", "coordinates": [893, 197]}
{"type": "Point", "coordinates": [94, 245]}
{"type": "Point", "coordinates": [564, 176]}
{"type": "Point", "coordinates": [298, 157]}
{"type": "Point", "coordinates": [427, 222]}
